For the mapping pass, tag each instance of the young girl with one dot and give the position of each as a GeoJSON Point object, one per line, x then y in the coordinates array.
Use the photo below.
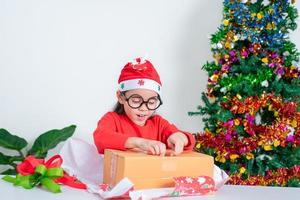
{"type": "Point", "coordinates": [133, 124]}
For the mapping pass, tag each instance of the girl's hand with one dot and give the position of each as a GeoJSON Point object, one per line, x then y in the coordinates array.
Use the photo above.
{"type": "Point", "coordinates": [177, 141]}
{"type": "Point", "coordinates": [152, 147]}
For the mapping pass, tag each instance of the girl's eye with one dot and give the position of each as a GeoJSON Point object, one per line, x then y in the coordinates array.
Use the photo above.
{"type": "Point", "coordinates": [152, 101]}
{"type": "Point", "coordinates": [136, 100]}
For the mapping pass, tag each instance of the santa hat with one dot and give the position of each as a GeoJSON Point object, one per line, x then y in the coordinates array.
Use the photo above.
{"type": "Point", "coordinates": [139, 74]}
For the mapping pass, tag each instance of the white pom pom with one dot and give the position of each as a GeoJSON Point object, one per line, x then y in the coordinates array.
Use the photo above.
{"type": "Point", "coordinates": [219, 45]}
{"type": "Point", "coordinates": [291, 130]}
{"type": "Point", "coordinates": [223, 90]}
{"type": "Point", "coordinates": [286, 53]}
{"type": "Point", "coordinates": [266, 2]}
{"type": "Point", "coordinates": [224, 75]}
{"type": "Point", "coordinates": [278, 77]}
{"type": "Point", "coordinates": [257, 119]}
{"type": "Point", "coordinates": [265, 83]}
{"type": "Point", "coordinates": [143, 60]}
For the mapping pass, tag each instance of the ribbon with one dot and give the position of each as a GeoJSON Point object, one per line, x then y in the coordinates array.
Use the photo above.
{"type": "Point", "coordinates": [71, 182]}
{"type": "Point", "coordinates": [32, 172]}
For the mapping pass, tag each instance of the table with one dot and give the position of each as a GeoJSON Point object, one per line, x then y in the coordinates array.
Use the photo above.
{"type": "Point", "coordinates": [227, 192]}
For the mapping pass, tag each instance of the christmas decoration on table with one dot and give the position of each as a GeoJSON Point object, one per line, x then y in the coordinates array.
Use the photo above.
{"type": "Point", "coordinates": [252, 104]}
{"type": "Point", "coordinates": [33, 172]}
{"type": "Point", "coordinates": [39, 149]}
{"type": "Point", "coordinates": [29, 166]}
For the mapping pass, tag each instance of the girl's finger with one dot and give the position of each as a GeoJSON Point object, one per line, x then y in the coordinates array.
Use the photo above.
{"type": "Point", "coordinates": [162, 149]}
{"type": "Point", "coordinates": [151, 150]}
{"type": "Point", "coordinates": [184, 139]}
{"type": "Point", "coordinates": [156, 149]}
{"type": "Point", "coordinates": [178, 147]}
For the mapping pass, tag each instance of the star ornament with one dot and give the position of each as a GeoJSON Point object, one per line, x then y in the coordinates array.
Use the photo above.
{"type": "Point", "coordinates": [141, 82]}
{"type": "Point", "coordinates": [189, 180]}
{"type": "Point", "coordinates": [201, 180]}
{"type": "Point", "coordinates": [190, 186]}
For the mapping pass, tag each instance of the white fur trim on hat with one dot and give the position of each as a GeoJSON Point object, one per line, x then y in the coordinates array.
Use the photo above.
{"type": "Point", "coordinates": [141, 83]}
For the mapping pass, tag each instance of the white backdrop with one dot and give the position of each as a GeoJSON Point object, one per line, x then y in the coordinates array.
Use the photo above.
{"type": "Point", "coordinates": [60, 59]}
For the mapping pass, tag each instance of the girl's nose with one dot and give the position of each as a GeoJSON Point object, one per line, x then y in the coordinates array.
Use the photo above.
{"type": "Point", "coordinates": [143, 107]}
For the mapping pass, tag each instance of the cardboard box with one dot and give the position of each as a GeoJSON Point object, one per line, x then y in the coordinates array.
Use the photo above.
{"type": "Point", "coordinates": [148, 171]}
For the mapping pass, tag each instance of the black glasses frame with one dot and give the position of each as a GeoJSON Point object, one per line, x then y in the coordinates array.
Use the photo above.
{"type": "Point", "coordinates": [144, 102]}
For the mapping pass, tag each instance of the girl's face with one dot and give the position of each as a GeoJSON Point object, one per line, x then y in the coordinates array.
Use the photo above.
{"type": "Point", "coordinates": [134, 98]}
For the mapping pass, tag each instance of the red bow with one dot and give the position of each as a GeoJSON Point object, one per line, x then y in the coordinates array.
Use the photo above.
{"type": "Point", "coordinates": [28, 166]}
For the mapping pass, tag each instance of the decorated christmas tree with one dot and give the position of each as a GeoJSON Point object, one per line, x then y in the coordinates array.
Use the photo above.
{"type": "Point", "coordinates": [251, 107]}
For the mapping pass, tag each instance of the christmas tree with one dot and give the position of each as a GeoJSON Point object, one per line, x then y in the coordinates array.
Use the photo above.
{"type": "Point", "coordinates": [251, 107]}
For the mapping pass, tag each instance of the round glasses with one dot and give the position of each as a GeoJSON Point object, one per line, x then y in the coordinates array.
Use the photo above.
{"type": "Point", "coordinates": [136, 101]}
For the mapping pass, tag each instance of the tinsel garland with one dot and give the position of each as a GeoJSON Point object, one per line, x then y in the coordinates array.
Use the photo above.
{"type": "Point", "coordinates": [279, 177]}
{"type": "Point", "coordinates": [231, 147]}
{"type": "Point", "coordinates": [284, 129]}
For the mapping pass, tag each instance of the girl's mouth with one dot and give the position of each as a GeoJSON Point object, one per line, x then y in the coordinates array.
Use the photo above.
{"type": "Point", "coordinates": [142, 117]}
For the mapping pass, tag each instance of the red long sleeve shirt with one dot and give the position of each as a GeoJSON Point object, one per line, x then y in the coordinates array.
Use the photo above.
{"type": "Point", "coordinates": [114, 129]}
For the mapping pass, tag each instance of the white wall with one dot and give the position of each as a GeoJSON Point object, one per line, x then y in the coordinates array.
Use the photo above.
{"type": "Point", "coordinates": [60, 59]}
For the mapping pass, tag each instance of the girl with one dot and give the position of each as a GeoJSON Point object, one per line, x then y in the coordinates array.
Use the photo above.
{"type": "Point", "coordinates": [133, 125]}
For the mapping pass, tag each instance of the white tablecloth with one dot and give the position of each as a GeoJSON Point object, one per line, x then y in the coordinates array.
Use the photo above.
{"type": "Point", "coordinates": [227, 192]}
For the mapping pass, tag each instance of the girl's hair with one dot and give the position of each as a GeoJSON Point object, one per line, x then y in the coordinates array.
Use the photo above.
{"type": "Point", "coordinates": [119, 108]}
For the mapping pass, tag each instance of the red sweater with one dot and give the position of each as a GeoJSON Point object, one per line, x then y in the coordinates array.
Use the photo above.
{"type": "Point", "coordinates": [114, 129]}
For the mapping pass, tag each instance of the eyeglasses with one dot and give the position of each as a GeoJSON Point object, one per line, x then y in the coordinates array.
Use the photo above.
{"type": "Point", "coordinates": [136, 101]}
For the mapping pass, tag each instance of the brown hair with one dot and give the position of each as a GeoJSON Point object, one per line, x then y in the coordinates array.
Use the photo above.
{"type": "Point", "coordinates": [119, 108]}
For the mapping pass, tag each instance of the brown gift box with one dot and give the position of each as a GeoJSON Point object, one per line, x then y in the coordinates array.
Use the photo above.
{"type": "Point", "coordinates": [149, 171]}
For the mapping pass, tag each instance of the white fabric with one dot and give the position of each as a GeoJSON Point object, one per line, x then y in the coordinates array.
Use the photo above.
{"type": "Point", "coordinates": [120, 189]}
{"type": "Point", "coordinates": [134, 84]}
{"type": "Point", "coordinates": [220, 177]}
{"type": "Point", "coordinates": [82, 160]}
{"type": "Point", "coordinates": [148, 194]}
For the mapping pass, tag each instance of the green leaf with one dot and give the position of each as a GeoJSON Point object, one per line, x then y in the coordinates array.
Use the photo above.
{"type": "Point", "coordinates": [8, 160]}
{"type": "Point", "coordinates": [296, 151]}
{"type": "Point", "coordinates": [49, 140]}
{"type": "Point", "coordinates": [261, 167]}
{"type": "Point", "coordinates": [233, 168]}
{"type": "Point", "coordinates": [250, 166]}
{"type": "Point", "coordinates": [294, 182]}
{"type": "Point", "coordinates": [10, 141]}
{"type": "Point", "coordinates": [4, 159]}
{"type": "Point", "coordinates": [276, 163]}
{"type": "Point", "coordinates": [224, 115]}
{"type": "Point", "coordinates": [9, 172]}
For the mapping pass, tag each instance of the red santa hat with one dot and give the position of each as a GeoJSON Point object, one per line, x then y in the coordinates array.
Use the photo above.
{"type": "Point", "coordinates": [139, 74]}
